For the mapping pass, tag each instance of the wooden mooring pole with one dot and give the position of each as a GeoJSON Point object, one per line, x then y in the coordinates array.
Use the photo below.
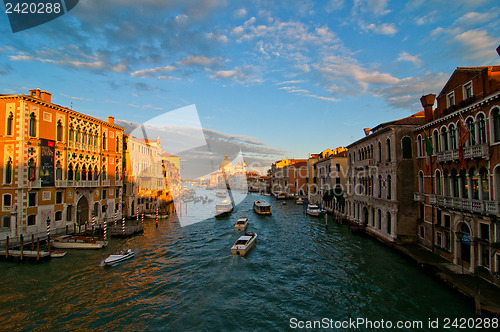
{"type": "Point", "coordinates": [32, 242]}
{"type": "Point", "coordinates": [7, 247]}
{"type": "Point", "coordinates": [38, 249]}
{"type": "Point", "coordinates": [21, 240]}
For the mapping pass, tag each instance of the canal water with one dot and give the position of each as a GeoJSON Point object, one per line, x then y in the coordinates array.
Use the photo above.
{"type": "Point", "coordinates": [185, 279]}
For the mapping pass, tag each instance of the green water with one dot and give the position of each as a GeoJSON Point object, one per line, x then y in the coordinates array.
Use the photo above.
{"type": "Point", "coordinates": [185, 279]}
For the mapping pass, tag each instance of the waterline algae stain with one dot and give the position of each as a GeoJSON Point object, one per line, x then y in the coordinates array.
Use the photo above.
{"type": "Point", "coordinates": [185, 279]}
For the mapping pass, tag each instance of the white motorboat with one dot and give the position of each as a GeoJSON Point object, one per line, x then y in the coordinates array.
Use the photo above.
{"type": "Point", "coordinates": [77, 242]}
{"type": "Point", "coordinates": [314, 210]}
{"type": "Point", "coordinates": [119, 257]}
{"type": "Point", "coordinates": [261, 206]}
{"type": "Point", "coordinates": [57, 253]}
{"type": "Point", "coordinates": [241, 224]}
{"type": "Point", "coordinates": [243, 245]}
{"type": "Point", "coordinates": [220, 194]}
{"type": "Point", "coordinates": [223, 207]}
{"type": "Point", "coordinates": [299, 201]}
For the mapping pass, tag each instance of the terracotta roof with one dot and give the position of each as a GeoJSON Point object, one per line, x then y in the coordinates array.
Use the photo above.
{"type": "Point", "coordinates": [415, 119]}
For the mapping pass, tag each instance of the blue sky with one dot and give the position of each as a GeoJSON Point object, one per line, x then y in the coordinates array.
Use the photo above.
{"type": "Point", "coordinates": [274, 78]}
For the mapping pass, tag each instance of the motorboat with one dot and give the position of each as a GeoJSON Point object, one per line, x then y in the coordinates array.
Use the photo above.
{"type": "Point", "coordinates": [220, 194]}
{"type": "Point", "coordinates": [261, 206]}
{"type": "Point", "coordinates": [281, 196]}
{"type": "Point", "coordinates": [119, 257]}
{"type": "Point", "coordinates": [299, 201]}
{"type": "Point", "coordinates": [241, 224]}
{"type": "Point", "coordinates": [314, 210]}
{"type": "Point", "coordinates": [243, 245]}
{"type": "Point", "coordinates": [57, 253]}
{"type": "Point", "coordinates": [77, 242]}
{"type": "Point", "coordinates": [223, 207]}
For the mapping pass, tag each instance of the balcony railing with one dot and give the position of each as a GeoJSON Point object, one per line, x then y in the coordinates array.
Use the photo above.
{"type": "Point", "coordinates": [474, 151]}
{"type": "Point", "coordinates": [471, 205]}
{"type": "Point", "coordinates": [61, 183]}
{"type": "Point", "coordinates": [35, 184]}
{"type": "Point", "coordinates": [105, 183]}
{"type": "Point", "coordinates": [418, 197]}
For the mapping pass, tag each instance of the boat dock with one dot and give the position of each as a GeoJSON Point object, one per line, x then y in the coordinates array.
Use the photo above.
{"type": "Point", "coordinates": [18, 248]}
{"type": "Point", "coordinates": [128, 230]}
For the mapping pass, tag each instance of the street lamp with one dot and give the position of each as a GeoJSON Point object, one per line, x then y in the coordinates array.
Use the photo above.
{"type": "Point", "coordinates": [460, 236]}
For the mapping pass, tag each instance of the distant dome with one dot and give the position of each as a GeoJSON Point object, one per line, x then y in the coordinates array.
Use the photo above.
{"type": "Point", "coordinates": [226, 165]}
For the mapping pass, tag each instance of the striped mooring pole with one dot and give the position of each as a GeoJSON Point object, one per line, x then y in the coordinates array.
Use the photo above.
{"type": "Point", "coordinates": [105, 227]}
{"type": "Point", "coordinates": [156, 217]}
{"type": "Point", "coordinates": [115, 218]}
{"type": "Point", "coordinates": [137, 214]}
{"type": "Point", "coordinates": [123, 225]}
{"type": "Point", "coordinates": [142, 219]}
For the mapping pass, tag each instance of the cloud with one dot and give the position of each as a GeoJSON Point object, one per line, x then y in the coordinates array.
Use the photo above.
{"type": "Point", "coordinates": [405, 56]}
{"type": "Point", "coordinates": [381, 29]}
{"type": "Point", "coordinates": [479, 45]}
{"type": "Point", "coordinates": [153, 71]}
{"type": "Point", "coordinates": [240, 13]}
{"type": "Point", "coordinates": [243, 75]}
{"type": "Point", "coordinates": [199, 61]}
{"type": "Point", "coordinates": [143, 87]}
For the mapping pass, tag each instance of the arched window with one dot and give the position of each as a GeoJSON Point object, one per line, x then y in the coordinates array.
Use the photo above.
{"type": "Point", "coordinates": [472, 131]}
{"type": "Point", "coordinates": [379, 146]}
{"type": "Point", "coordinates": [31, 170]}
{"type": "Point", "coordinates": [406, 143]}
{"type": "Point", "coordinates": [70, 172]}
{"type": "Point", "coordinates": [389, 187]}
{"type": "Point", "coordinates": [10, 121]}
{"type": "Point", "coordinates": [419, 146]}
{"type": "Point", "coordinates": [464, 184]}
{"type": "Point", "coordinates": [435, 141]}
{"type": "Point", "coordinates": [380, 186]}
{"type": "Point", "coordinates": [117, 174]}
{"type": "Point", "coordinates": [454, 183]}
{"type": "Point", "coordinates": [96, 173]}
{"type": "Point", "coordinates": [117, 144]}
{"type": "Point", "coordinates": [495, 121]}
{"type": "Point", "coordinates": [474, 182]}
{"type": "Point", "coordinates": [389, 223]}
{"type": "Point", "coordinates": [485, 184]}
{"type": "Point", "coordinates": [32, 125]}
{"type": "Point", "coordinates": [379, 219]}
{"type": "Point", "coordinates": [77, 135]}
{"type": "Point", "coordinates": [481, 128]}
{"type": "Point", "coordinates": [444, 139]}
{"type": "Point", "coordinates": [84, 173]}
{"type": "Point", "coordinates": [438, 182]}
{"type": "Point", "coordinates": [58, 171]}
{"type": "Point", "coordinates": [59, 131]}
{"type": "Point", "coordinates": [446, 183]}
{"type": "Point", "coordinates": [84, 137]}
{"type": "Point", "coordinates": [8, 171]}
{"type": "Point", "coordinates": [104, 141]}
{"type": "Point", "coordinates": [420, 182]}
{"type": "Point", "coordinates": [104, 175]}
{"type": "Point", "coordinates": [388, 143]}
{"type": "Point", "coordinates": [71, 133]}
{"type": "Point", "coordinates": [453, 137]}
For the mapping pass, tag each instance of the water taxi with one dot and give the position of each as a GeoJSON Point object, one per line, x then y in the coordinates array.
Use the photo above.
{"type": "Point", "coordinates": [299, 201]}
{"type": "Point", "coordinates": [220, 194]}
{"type": "Point", "coordinates": [261, 206]}
{"type": "Point", "coordinates": [281, 196]}
{"type": "Point", "coordinates": [77, 242]}
{"type": "Point", "coordinates": [313, 210]}
{"type": "Point", "coordinates": [119, 257]}
{"type": "Point", "coordinates": [223, 207]}
{"type": "Point", "coordinates": [241, 224]}
{"type": "Point", "coordinates": [243, 245]}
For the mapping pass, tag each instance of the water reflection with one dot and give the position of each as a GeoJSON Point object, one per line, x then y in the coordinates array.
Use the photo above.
{"type": "Point", "coordinates": [184, 278]}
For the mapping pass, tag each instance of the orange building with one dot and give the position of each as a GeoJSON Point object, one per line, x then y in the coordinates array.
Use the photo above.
{"type": "Point", "coordinates": [459, 197]}
{"type": "Point", "coordinates": [57, 165]}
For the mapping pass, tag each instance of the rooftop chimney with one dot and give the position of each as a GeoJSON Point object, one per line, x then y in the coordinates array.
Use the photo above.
{"type": "Point", "coordinates": [367, 131]}
{"type": "Point", "coordinates": [427, 103]}
{"type": "Point", "coordinates": [111, 120]}
{"type": "Point", "coordinates": [45, 96]}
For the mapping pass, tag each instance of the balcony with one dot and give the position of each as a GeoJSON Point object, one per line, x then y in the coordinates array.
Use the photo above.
{"type": "Point", "coordinates": [61, 183]}
{"type": "Point", "coordinates": [35, 184]}
{"type": "Point", "coordinates": [419, 197]}
{"type": "Point", "coordinates": [474, 151]}
{"type": "Point", "coordinates": [470, 205]}
{"type": "Point", "coordinates": [432, 199]}
{"type": "Point", "coordinates": [105, 183]}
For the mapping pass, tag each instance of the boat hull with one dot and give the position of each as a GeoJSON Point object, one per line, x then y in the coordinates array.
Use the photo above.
{"type": "Point", "coordinates": [115, 259]}
{"type": "Point", "coordinates": [77, 243]}
{"type": "Point", "coordinates": [239, 227]}
{"type": "Point", "coordinates": [243, 249]}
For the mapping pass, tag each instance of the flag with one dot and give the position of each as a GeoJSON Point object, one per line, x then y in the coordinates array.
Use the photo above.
{"type": "Point", "coordinates": [463, 136]}
{"type": "Point", "coordinates": [78, 175]}
{"type": "Point", "coordinates": [123, 175]}
{"type": "Point", "coordinates": [429, 149]}
{"type": "Point", "coordinates": [97, 177]}
{"type": "Point", "coordinates": [33, 173]}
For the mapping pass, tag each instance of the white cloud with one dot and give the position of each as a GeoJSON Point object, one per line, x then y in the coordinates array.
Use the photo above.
{"type": "Point", "coordinates": [153, 71]}
{"type": "Point", "coordinates": [242, 12]}
{"type": "Point", "coordinates": [405, 56]}
{"type": "Point", "coordinates": [479, 45]}
{"type": "Point", "coordinates": [381, 29]}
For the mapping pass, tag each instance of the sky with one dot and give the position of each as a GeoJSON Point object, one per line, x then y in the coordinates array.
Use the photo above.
{"type": "Point", "coordinates": [272, 79]}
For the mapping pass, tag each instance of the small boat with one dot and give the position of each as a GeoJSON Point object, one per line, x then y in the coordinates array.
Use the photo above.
{"type": "Point", "coordinates": [223, 207]}
{"type": "Point", "coordinates": [243, 245]}
{"type": "Point", "coordinates": [241, 224]}
{"type": "Point", "coordinates": [261, 206]}
{"type": "Point", "coordinates": [77, 242]}
{"type": "Point", "coordinates": [313, 210]}
{"type": "Point", "coordinates": [281, 196]}
{"type": "Point", "coordinates": [299, 201]}
{"type": "Point", "coordinates": [220, 194]}
{"type": "Point", "coordinates": [119, 257]}
{"type": "Point", "coordinates": [57, 253]}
